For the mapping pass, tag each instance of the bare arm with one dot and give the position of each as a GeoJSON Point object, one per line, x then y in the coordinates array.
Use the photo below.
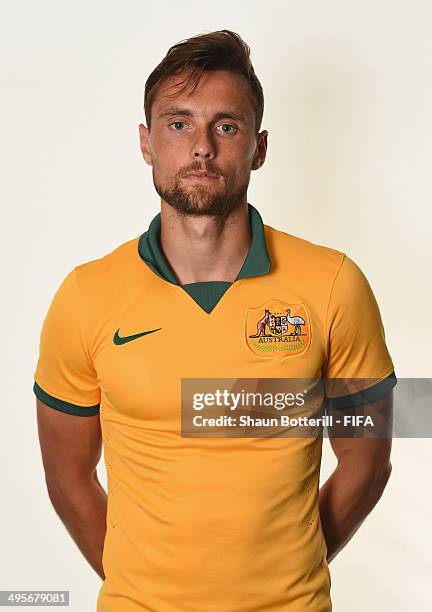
{"type": "Point", "coordinates": [71, 448]}
{"type": "Point", "coordinates": [357, 483]}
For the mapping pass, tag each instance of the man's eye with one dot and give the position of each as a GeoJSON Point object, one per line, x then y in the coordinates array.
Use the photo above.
{"type": "Point", "coordinates": [232, 128]}
{"type": "Point", "coordinates": [177, 127]}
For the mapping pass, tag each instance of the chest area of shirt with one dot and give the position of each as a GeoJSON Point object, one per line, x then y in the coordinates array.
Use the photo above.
{"type": "Point", "coordinates": [144, 345]}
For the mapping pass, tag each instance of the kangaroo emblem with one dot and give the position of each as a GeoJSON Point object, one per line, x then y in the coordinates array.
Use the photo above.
{"type": "Point", "coordinates": [261, 326]}
{"type": "Point", "coordinates": [283, 331]}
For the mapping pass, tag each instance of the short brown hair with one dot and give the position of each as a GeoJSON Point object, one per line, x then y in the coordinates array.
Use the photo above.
{"type": "Point", "coordinates": [220, 50]}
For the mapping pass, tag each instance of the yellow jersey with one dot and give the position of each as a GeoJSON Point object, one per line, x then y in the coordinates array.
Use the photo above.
{"type": "Point", "coordinates": [208, 524]}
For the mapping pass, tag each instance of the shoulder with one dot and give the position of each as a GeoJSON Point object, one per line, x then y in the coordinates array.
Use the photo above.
{"type": "Point", "coordinates": [107, 269]}
{"type": "Point", "coordinates": [291, 251]}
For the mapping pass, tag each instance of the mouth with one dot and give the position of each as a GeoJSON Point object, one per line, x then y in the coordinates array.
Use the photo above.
{"type": "Point", "coordinates": [201, 176]}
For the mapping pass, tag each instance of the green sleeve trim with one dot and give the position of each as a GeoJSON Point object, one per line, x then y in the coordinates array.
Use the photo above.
{"type": "Point", "coordinates": [362, 397]}
{"type": "Point", "coordinates": [63, 406]}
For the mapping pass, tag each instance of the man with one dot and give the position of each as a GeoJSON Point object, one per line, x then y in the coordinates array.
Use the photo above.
{"type": "Point", "coordinates": [202, 524]}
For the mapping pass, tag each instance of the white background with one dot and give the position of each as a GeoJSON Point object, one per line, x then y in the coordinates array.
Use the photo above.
{"type": "Point", "coordinates": [348, 99]}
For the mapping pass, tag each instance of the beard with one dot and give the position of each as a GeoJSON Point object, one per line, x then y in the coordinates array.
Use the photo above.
{"type": "Point", "coordinates": [199, 199]}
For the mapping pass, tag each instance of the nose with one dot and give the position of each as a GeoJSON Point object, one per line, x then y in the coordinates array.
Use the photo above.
{"type": "Point", "coordinates": [203, 146]}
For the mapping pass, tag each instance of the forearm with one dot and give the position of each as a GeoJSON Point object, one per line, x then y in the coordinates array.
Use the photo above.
{"type": "Point", "coordinates": [346, 499]}
{"type": "Point", "coordinates": [82, 507]}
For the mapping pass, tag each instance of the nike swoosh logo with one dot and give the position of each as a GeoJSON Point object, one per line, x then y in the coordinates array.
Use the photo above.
{"type": "Point", "coordinates": [122, 340]}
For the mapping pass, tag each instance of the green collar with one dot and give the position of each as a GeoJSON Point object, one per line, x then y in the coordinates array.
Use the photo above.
{"type": "Point", "coordinates": [206, 294]}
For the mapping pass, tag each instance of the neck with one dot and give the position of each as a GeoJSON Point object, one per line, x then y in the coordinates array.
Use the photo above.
{"type": "Point", "coordinates": [205, 248]}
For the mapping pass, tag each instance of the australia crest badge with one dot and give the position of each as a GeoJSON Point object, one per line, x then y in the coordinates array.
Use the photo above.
{"type": "Point", "coordinates": [278, 329]}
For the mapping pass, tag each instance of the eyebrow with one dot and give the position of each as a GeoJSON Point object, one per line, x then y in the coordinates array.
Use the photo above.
{"type": "Point", "coordinates": [186, 112]}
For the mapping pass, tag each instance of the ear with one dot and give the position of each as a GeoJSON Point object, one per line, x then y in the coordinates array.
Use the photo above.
{"type": "Point", "coordinates": [144, 144]}
{"type": "Point", "coordinates": [260, 151]}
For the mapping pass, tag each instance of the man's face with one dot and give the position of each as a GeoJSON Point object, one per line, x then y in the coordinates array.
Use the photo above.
{"type": "Point", "coordinates": [210, 130]}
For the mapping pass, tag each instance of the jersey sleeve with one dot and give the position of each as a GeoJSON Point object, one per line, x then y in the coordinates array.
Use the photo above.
{"type": "Point", "coordinates": [358, 368]}
{"type": "Point", "coordinates": [65, 378]}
